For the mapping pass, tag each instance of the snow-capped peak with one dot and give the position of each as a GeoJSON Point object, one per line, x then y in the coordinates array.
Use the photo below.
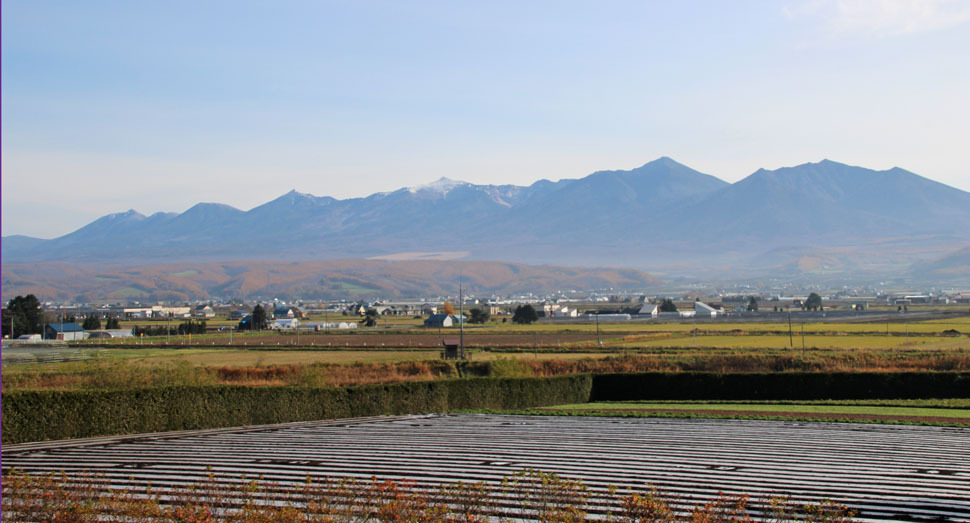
{"type": "Point", "coordinates": [441, 186]}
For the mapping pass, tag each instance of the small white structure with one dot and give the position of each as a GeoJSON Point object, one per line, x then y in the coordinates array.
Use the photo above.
{"type": "Point", "coordinates": [566, 312]}
{"type": "Point", "coordinates": [109, 333]}
{"type": "Point", "coordinates": [703, 310]}
{"type": "Point", "coordinates": [609, 317]}
{"type": "Point", "coordinates": [287, 324]}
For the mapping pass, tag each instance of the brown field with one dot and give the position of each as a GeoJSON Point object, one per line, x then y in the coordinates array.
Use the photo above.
{"type": "Point", "coordinates": [262, 358]}
{"type": "Point", "coordinates": [402, 340]}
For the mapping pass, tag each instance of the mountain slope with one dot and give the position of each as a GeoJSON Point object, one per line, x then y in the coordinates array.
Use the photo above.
{"type": "Point", "coordinates": [954, 266]}
{"type": "Point", "coordinates": [664, 216]}
{"type": "Point", "coordinates": [326, 279]}
{"type": "Point", "coordinates": [832, 203]}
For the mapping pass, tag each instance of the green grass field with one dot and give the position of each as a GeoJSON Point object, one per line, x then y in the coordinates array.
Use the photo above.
{"type": "Point", "coordinates": [942, 412]}
{"type": "Point", "coordinates": [780, 341]}
{"type": "Point", "coordinates": [930, 408]}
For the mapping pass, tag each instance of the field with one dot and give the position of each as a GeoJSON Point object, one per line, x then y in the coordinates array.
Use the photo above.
{"type": "Point", "coordinates": [405, 332]}
{"type": "Point", "coordinates": [405, 352]}
{"type": "Point", "coordinates": [936, 412]}
{"type": "Point", "coordinates": [592, 468]}
{"type": "Point", "coordinates": [593, 447]}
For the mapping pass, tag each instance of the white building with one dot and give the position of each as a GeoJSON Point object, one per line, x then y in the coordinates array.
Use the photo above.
{"type": "Point", "coordinates": [285, 324]}
{"type": "Point", "coordinates": [109, 333]}
{"type": "Point", "coordinates": [703, 310]}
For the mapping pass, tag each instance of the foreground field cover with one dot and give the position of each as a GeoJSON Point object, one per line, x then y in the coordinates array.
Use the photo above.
{"type": "Point", "coordinates": [882, 471]}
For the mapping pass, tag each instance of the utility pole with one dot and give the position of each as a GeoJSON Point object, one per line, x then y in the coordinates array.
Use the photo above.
{"type": "Point", "coordinates": [791, 338]}
{"type": "Point", "coordinates": [599, 341]}
{"type": "Point", "coordinates": [461, 319]}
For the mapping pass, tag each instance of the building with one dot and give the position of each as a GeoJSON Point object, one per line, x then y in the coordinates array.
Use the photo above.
{"type": "Point", "coordinates": [283, 313]}
{"type": "Point", "coordinates": [161, 312]}
{"type": "Point", "coordinates": [451, 348]}
{"type": "Point", "coordinates": [440, 320]}
{"type": "Point", "coordinates": [703, 310]}
{"type": "Point", "coordinates": [64, 331]}
{"type": "Point", "coordinates": [203, 312]}
{"type": "Point", "coordinates": [649, 309]}
{"type": "Point", "coordinates": [110, 333]}
{"type": "Point", "coordinates": [285, 324]}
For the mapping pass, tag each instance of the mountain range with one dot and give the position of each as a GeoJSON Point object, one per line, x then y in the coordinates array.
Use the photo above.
{"type": "Point", "coordinates": [662, 217]}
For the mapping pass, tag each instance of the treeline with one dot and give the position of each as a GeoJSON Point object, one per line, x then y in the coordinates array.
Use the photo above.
{"type": "Point", "coordinates": [188, 327]}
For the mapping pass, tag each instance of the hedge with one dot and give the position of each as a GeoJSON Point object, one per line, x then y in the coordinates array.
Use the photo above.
{"type": "Point", "coordinates": [40, 415]}
{"type": "Point", "coordinates": [780, 386]}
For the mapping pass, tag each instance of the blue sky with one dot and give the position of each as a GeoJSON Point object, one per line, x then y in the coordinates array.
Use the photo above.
{"type": "Point", "coordinates": [156, 106]}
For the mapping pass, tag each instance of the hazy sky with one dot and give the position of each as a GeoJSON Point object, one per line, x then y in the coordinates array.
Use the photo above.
{"type": "Point", "coordinates": [159, 105]}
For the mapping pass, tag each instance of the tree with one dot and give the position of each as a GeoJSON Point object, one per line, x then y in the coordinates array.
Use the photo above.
{"type": "Point", "coordinates": [525, 314]}
{"type": "Point", "coordinates": [753, 304]}
{"type": "Point", "coordinates": [91, 323]}
{"type": "Point", "coordinates": [191, 327]}
{"type": "Point", "coordinates": [477, 315]}
{"type": "Point", "coordinates": [370, 317]}
{"type": "Point", "coordinates": [258, 318]}
{"type": "Point", "coordinates": [447, 308]}
{"type": "Point", "coordinates": [26, 315]}
{"type": "Point", "coordinates": [667, 305]}
{"type": "Point", "coordinates": [814, 302]}
{"type": "Point", "coordinates": [112, 323]}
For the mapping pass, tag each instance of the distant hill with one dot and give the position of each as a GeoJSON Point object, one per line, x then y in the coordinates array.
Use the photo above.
{"type": "Point", "coordinates": [954, 266]}
{"type": "Point", "coordinates": [664, 217]}
{"type": "Point", "coordinates": [328, 279]}
{"type": "Point", "coordinates": [833, 203]}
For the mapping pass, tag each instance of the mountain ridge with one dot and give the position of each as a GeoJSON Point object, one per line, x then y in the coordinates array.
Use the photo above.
{"type": "Point", "coordinates": [662, 216]}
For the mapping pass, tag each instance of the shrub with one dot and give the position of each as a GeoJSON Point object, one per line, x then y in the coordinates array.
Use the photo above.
{"type": "Point", "coordinates": [41, 415]}
{"type": "Point", "coordinates": [508, 368]}
{"type": "Point", "coordinates": [530, 494]}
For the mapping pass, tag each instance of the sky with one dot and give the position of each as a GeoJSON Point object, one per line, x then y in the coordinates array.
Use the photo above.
{"type": "Point", "coordinates": [156, 106]}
